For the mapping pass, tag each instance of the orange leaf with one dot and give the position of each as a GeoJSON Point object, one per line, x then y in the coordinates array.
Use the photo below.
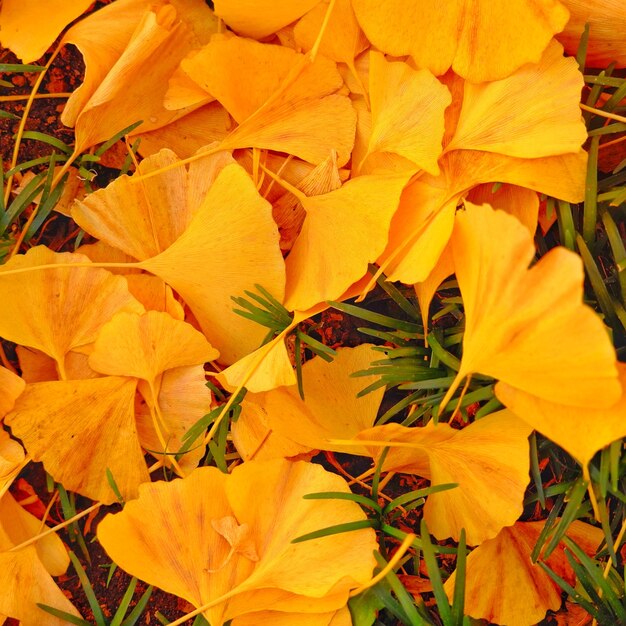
{"type": "Point", "coordinates": [344, 230]}
{"type": "Point", "coordinates": [330, 410]}
{"type": "Point", "coordinates": [260, 18]}
{"type": "Point", "coordinates": [504, 586]}
{"type": "Point", "coordinates": [231, 244]}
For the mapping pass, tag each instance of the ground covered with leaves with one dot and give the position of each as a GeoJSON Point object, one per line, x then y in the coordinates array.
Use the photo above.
{"type": "Point", "coordinates": [313, 313]}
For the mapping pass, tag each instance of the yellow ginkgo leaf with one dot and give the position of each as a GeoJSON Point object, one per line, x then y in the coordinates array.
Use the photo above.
{"type": "Point", "coordinates": [258, 19]}
{"type": "Point", "coordinates": [425, 290]}
{"type": "Point", "coordinates": [287, 209]}
{"type": "Point", "coordinates": [407, 112]}
{"type": "Point", "coordinates": [518, 201]}
{"type": "Point", "coordinates": [18, 525]}
{"type": "Point", "coordinates": [230, 245]}
{"type": "Point", "coordinates": [144, 346]}
{"type": "Point", "coordinates": [579, 431]}
{"type": "Point", "coordinates": [128, 65]}
{"type": "Point", "coordinates": [141, 219]}
{"type": "Point", "coordinates": [424, 220]}
{"type": "Point", "coordinates": [12, 459]}
{"type": "Point", "coordinates": [254, 439]}
{"type": "Point", "coordinates": [81, 428]}
{"type": "Point", "coordinates": [607, 23]}
{"type": "Point", "coordinates": [11, 386]}
{"type": "Point", "coordinates": [488, 460]}
{"type": "Point", "coordinates": [35, 586]}
{"type": "Point", "coordinates": [187, 135]}
{"type": "Point", "coordinates": [343, 38]}
{"type": "Point", "coordinates": [481, 40]}
{"type": "Point", "coordinates": [183, 399]}
{"type": "Point", "coordinates": [420, 229]}
{"type": "Point", "coordinates": [504, 586]}
{"type": "Point", "coordinates": [266, 368]}
{"type": "Point", "coordinates": [330, 409]}
{"type": "Point", "coordinates": [37, 312]}
{"type": "Point", "coordinates": [289, 103]}
{"type": "Point", "coordinates": [532, 113]}
{"type": "Point", "coordinates": [344, 230]}
{"type": "Point", "coordinates": [29, 29]}
{"type": "Point", "coordinates": [240, 559]}
{"type": "Point", "coordinates": [528, 327]}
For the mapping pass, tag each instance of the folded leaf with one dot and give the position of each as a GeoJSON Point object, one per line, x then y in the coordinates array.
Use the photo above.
{"type": "Point", "coordinates": [529, 114]}
{"type": "Point", "coordinates": [258, 19]}
{"type": "Point", "coordinates": [289, 103]}
{"type": "Point", "coordinates": [407, 112]}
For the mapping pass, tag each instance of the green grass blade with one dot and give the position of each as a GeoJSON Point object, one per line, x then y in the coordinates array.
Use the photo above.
{"type": "Point", "coordinates": [416, 494]}
{"type": "Point", "coordinates": [48, 139]}
{"type": "Point", "coordinates": [68, 617]}
{"type": "Point", "coordinates": [406, 601]}
{"type": "Point", "coordinates": [535, 472]}
{"type": "Point", "coordinates": [125, 131]}
{"type": "Point", "coordinates": [598, 286]}
{"type": "Point", "coordinates": [139, 608]}
{"type": "Point", "coordinates": [114, 487]}
{"type": "Point", "coordinates": [376, 318]}
{"type": "Point", "coordinates": [88, 590]}
{"type": "Point", "coordinates": [337, 529]}
{"type": "Point", "coordinates": [590, 212]}
{"type": "Point", "coordinates": [575, 596]}
{"type": "Point", "coordinates": [571, 512]}
{"type": "Point", "coordinates": [458, 597]}
{"type": "Point", "coordinates": [434, 574]}
{"type": "Point", "coordinates": [340, 495]}
{"type": "Point", "coordinates": [21, 67]}
{"type": "Point", "coordinates": [124, 603]}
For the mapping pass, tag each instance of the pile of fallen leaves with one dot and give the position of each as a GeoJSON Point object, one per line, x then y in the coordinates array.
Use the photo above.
{"type": "Point", "coordinates": [282, 158]}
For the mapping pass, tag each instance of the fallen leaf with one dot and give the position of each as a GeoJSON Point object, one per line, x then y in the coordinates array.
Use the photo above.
{"type": "Point", "coordinates": [480, 40]}
{"type": "Point", "coordinates": [527, 327]}
{"type": "Point", "coordinates": [77, 452]}
{"type": "Point", "coordinates": [29, 29]}
{"type": "Point", "coordinates": [504, 586]}
{"type": "Point", "coordinates": [489, 461]}
{"type": "Point", "coordinates": [197, 563]}
{"type": "Point", "coordinates": [37, 311]}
